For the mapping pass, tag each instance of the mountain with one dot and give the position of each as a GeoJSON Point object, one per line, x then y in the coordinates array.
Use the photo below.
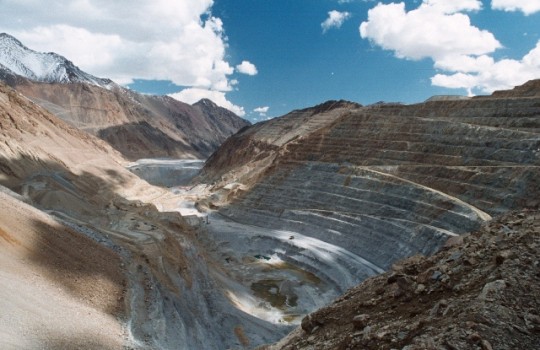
{"type": "Point", "coordinates": [87, 260]}
{"type": "Point", "coordinates": [42, 67]}
{"type": "Point", "coordinates": [346, 191]}
{"type": "Point", "coordinates": [219, 116]}
{"type": "Point", "coordinates": [61, 288]}
{"type": "Point", "coordinates": [137, 125]}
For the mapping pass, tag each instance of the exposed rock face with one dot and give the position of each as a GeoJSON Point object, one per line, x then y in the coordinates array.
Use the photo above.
{"type": "Point", "coordinates": [382, 182]}
{"type": "Point", "coordinates": [479, 292]}
{"type": "Point", "coordinates": [218, 117]}
{"type": "Point", "coordinates": [137, 125]}
{"type": "Point", "coordinates": [247, 154]}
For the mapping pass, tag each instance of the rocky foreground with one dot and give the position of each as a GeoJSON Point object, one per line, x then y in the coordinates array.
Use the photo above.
{"type": "Point", "coordinates": [481, 291]}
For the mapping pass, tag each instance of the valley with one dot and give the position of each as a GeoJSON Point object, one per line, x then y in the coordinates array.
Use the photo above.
{"type": "Point", "coordinates": [274, 275]}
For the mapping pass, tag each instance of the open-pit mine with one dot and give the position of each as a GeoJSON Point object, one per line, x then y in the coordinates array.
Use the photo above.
{"type": "Point", "coordinates": [265, 244]}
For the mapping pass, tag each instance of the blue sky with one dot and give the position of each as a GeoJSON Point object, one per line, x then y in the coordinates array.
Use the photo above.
{"type": "Point", "coordinates": [300, 65]}
{"type": "Point", "coordinates": [264, 58]}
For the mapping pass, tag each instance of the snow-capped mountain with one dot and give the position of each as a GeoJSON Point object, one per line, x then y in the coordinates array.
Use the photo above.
{"type": "Point", "coordinates": [43, 67]}
{"type": "Point", "coordinates": [135, 124]}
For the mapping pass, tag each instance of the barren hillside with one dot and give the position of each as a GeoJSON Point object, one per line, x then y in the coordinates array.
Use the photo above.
{"type": "Point", "coordinates": [371, 185]}
{"type": "Point", "coordinates": [138, 126]}
{"type": "Point", "coordinates": [60, 289]}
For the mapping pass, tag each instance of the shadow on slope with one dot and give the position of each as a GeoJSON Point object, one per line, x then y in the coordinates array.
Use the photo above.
{"type": "Point", "coordinates": [61, 252]}
{"type": "Point", "coordinates": [142, 140]}
{"type": "Point", "coordinates": [78, 341]}
{"type": "Point", "coordinates": [88, 270]}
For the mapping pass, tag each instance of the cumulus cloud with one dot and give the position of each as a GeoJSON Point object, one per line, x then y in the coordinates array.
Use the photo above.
{"type": "Point", "coordinates": [71, 42]}
{"type": "Point", "coordinates": [441, 30]}
{"type": "Point", "coordinates": [262, 110]}
{"type": "Point", "coordinates": [487, 75]}
{"type": "Point", "coordinates": [247, 67]}
{"type": "Point", "coordinates": [436, 29]}
{"type": "Point", "coordinates": [193, 95]}
{"type": "Point", "coordinates": [528, 7]}
{"type": "Point", "coordinates": [177, 40]}
{"type": "Point", "coordinates": [335, 20]}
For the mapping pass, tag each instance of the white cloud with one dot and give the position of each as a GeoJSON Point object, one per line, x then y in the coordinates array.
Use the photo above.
{"type": "Point", "coordinates": [262, 110]}
{"type": "Point", "coordinates": [441, 31]}
{"type": "Point", "coordinates": [335, 20]}
{"type": "Point", "coordinates": [528, 7]}
{"type": "Point", "coordinates": [486, 74]}
{"type": "Point", "coordinates": [72, 42]}
{"type": "Point", "coordinates": [193, 95]}
{"type": "Point", "coordinates": [436, 29]}
{"type": "Point", "coordinates": [177, 40]}
{"type": "Point", "coordinates": [124, 40]}
{"type": "Point", "coordinates": [247, 67]}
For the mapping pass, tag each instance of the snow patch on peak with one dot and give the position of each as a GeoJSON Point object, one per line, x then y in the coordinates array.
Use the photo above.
{"type": "Point", "coordinates": [206, 102]}
{"type": "Point", "coordinates": [43, 67]}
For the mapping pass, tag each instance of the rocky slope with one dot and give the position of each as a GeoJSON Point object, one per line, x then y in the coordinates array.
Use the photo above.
{"type": "Point", "coordinates": [378, 183]}
{"type": "Point", "coordinates": [480, 292]}
{"type": "Point", "coordinates": [137, 125]}
{"type": "Point", "coordinates": [79, 229]}
{"type": "Point", "coordinates": [60, 289]}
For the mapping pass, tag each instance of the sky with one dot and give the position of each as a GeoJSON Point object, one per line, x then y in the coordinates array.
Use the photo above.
{"type": "Point", "coordinates": [264, 58]}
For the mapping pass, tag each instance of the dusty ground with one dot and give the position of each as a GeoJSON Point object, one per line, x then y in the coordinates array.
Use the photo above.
{"type": "Point", "coordinates": [60, 290]}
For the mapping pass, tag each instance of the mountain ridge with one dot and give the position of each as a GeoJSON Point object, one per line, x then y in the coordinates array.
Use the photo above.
{"type": "Point", "coordinates": [138, 125]}
{"type": "Point", "coordinates": [43, 67]}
